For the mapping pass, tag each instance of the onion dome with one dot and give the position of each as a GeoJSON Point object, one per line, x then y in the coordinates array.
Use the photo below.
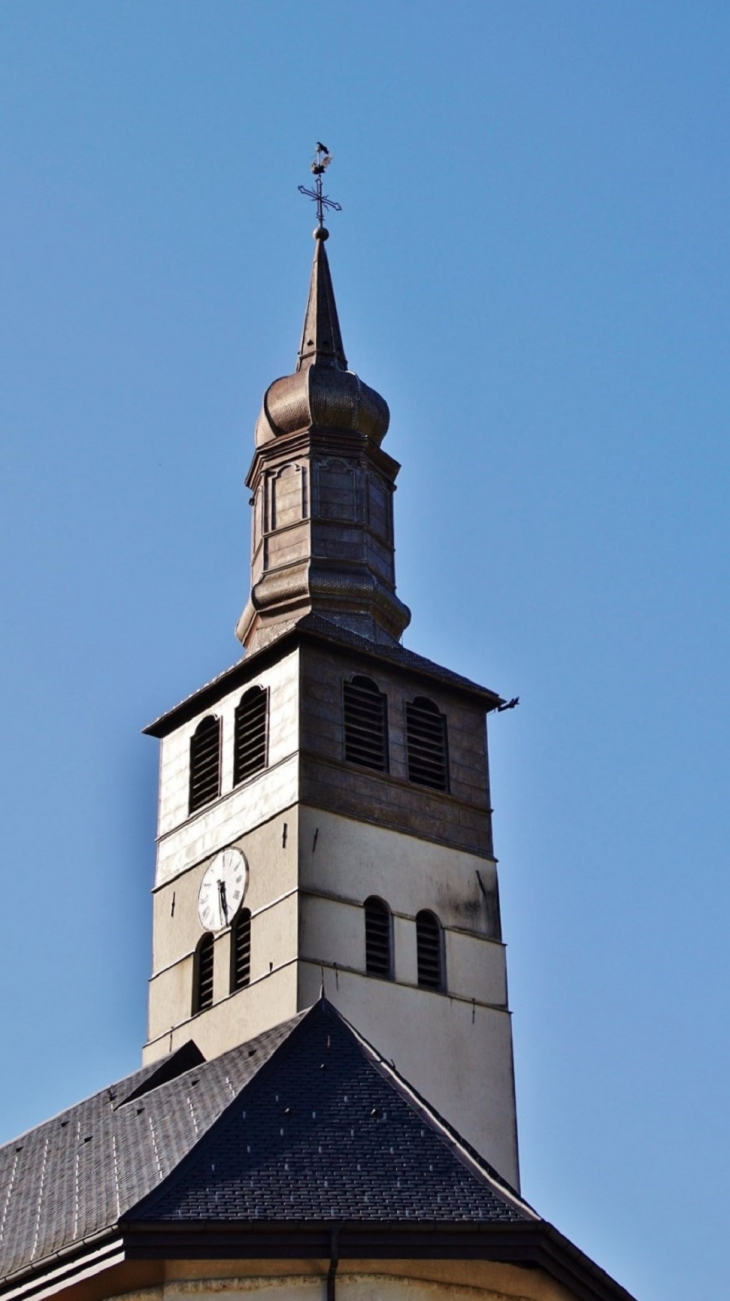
{"type": "Point", "coordinates": [322, 392]}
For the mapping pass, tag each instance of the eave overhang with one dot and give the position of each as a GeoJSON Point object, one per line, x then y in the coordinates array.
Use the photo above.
{"type": "Point", "coordinates": [530, 1245]}
{"type": "Point", "coordinates": [251, 665]}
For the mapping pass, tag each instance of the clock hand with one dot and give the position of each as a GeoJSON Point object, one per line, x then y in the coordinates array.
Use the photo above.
{"type": "Point", "coordinates": [224, 901]}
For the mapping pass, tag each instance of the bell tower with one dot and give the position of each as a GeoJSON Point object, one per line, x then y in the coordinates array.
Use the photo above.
{"type": "Point", "coordinates": [324, 810]}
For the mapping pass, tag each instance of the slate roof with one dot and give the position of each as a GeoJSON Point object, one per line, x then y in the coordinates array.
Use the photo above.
{"type": "Point", "coordinates": [319, 628]}
{"type": "Point", "coordinates": [305, 1122]}
{"type": "Point", "coordinates": [396, 654]}
{"type": "Point", "coordinates": [76, 1174]}
{"type": "Point", "coordinates": [327, 1130]}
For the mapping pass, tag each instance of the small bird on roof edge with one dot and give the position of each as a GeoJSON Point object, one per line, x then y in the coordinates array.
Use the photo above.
{"type": "Point", "coordinates": [508, 704]}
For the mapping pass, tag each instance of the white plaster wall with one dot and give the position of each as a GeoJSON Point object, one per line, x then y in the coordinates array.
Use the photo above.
{"type": "Point", "coordinates": [272, 874]}
{"type": "Point", "coordinates": [170, 1002]}
{"type": "Point", "coordinates": [405, 954]}
{"type": "Point", "coordinates": [233, 1020]}
{"type": "Point", "coordinates": [353, 859]}
{"type": "Point", "coordinates": [271, 851]}
{"type": "Point", "coordinates": [274, 938]}
{"type": "Point", "coordinates": [333, 931]}
{"type": "Point", "coordinates": [475, 967]}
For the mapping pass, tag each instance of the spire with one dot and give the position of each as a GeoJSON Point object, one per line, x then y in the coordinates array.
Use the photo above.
{"type": "Point", "coordinates": [322, 485]}
{"type": "Point", "coordinates": [321, 343]}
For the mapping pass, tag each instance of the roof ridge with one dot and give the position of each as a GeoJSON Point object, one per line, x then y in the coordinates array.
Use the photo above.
{"type": "Point", "coordinates": [461, 1148]}
{"type": "Point", "coordinates": [89, 1097]}
{"type": "Point", "coordinates": [177, 1174]}
{"type": "Point", "coordinates": [112, 1090]}
{"type": "Point", "coordinates": [395, 652]}
{"type": "Point", "coordinates": [180, 1187]}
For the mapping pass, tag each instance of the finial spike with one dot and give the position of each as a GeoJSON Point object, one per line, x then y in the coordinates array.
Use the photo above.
{"type": "Point", "coordinates": [321, 343]}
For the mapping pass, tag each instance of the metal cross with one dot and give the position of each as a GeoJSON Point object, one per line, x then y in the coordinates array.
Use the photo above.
{"type": "Point", "coordinates": [321, 162]}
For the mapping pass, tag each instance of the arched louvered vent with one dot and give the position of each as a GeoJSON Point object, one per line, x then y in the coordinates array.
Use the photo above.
{"type": "Point", "coordinates": [205, 763]}
{"type": "Point", "coordinates": [378, 956]}
{"type": "Point", "coordinates": [366, 724]}
{"type": "Point", "coordinates": [429, 951]}
{"type": "Point", "coordinates": [241, 950]}
{"type": "Point", "coordinates": [203, 990]}
{"type": "Point", "coordinates": [428, 761]}
{"type": "Point", "coordinates": [251, 734]}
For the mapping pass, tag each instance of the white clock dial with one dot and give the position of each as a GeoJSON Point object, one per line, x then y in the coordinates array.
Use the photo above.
{"type": "Point", "coordinates": [222, 889]}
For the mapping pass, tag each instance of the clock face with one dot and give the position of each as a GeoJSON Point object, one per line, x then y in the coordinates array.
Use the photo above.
{"type": "Point", "coordinates": [222, 889]}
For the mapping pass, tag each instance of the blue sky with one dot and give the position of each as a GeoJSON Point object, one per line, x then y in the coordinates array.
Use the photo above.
{"type": "Point", "coordinates": [531, 265]}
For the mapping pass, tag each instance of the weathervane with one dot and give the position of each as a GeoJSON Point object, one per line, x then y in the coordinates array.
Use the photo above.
{"type": "Point", "coordinates": [321, 162]}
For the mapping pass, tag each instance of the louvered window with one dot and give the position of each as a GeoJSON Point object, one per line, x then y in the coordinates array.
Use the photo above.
{"type": "Point", "coordinates": [203, 992]}
{"type": "Point", "coordinates": [366, 724]}
{"type": "Point", "coordinates": [241, 950]}
{"type": "Point", "coordinates": [378, 958]}
{"type": "Point", "coordinates": [428, 762]}
{"type": "Point", "coordinates": [429, 951]}
{"type": "Point", "coordinates": [251, 734]}
{"type": "Point", "coordinates": [205, 763]}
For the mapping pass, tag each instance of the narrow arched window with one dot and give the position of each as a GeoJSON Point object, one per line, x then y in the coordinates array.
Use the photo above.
{"type": "Point", "coordinates": [205, 763]}
{"type": "Point", "coordinates": [428, 759]}
{"type": "Point", "coordinates": [378, 941]}
{"type": "Point", "coordinates": [241, 950]}
{"type": "Point", "coordinates": [203, 976]}
{"type": "Point", "coordinates": [429, 948]}
{"type": "Point", "coordinates": [366, 724]}
{"type": "Point", "coordinates": [250, 744]}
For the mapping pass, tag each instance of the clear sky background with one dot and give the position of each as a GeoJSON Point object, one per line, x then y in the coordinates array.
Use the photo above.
{"type": "Point", "coordinates": [531, 265]}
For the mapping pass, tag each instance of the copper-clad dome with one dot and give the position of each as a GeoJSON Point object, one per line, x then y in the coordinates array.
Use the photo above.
{"type": "Point", "coordinates": [322, 392]}
{"type": "Point", "coordinates": [322, 493]}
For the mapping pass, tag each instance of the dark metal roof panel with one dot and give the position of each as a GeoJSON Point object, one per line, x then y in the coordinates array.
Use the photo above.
{"type": "Point", "coordinates": [318, 628]}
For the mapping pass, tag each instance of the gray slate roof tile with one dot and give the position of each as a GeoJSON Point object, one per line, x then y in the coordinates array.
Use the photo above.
{"type": "Point", "coordinates": [304, 1123]}
{"type": "Point", "coordinates": [326, 1130]}
{"type": "Point", "coordinates": [74, 1175]}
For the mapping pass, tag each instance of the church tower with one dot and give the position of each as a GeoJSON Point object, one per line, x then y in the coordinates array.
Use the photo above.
{"type": "Point", "coordinates": [326, 1105]}
{"type": "Point", "coordinates": [324, 809]}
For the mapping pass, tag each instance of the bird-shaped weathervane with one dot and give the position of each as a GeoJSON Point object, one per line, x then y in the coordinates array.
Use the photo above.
{"type": "Point", "coordinates": [320, 163]}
